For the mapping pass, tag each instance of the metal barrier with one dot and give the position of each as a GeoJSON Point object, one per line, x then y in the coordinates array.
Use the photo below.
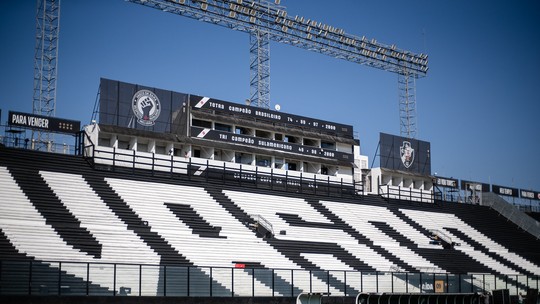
{"type": "Point", "coordinates": [310, 297]}
{"type": "Point", "coordinates": [31, 277]}
{"type": "Point", "coordinates": [112, 159]}
{"type": "Point", "coordinates": [21, 138]}
{"type": "Point", "coordinates": [406, 193]}
{"type": "Point", "coordinates": [419, 298]}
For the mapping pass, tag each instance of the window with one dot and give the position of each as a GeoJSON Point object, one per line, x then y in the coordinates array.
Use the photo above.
{"type": "Point", "coordinates": [104, 140]}
{"type": "Point", "coordinates": [311, 142]}
{"type": "Point", "coordinates": [201, 123]}
{"type": "Point", "coordinates": [278, 163]}
{"type": "Point", "coordinates": [263, 160]}
{"type": "Point", "coordinates": [123, 144]}
{"type": "Point", "coordinates": [243, 131]}
{"type": "Point", "coordinates": [243, 158]}
{"type": "Point", "coordinates": [291, 139]}
{"type": "Point", "coordinates": [328, 145]}
{"type": "Point", "coordinates": [222, 127]}
{"type": "Point", "coordinates": [263, 134]}
{"type": "Point", "coordinates": [290, 166]}
{"type": "Point", "coordinates": [160, 148]}
{"type": "Point", "coordinates": [143, 147]}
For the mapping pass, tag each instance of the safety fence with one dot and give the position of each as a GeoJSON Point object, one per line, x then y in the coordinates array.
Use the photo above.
{"type": "Point", "coordinates": [406, 193]}
{"type": "Point", "coordinates": [113, 159]}
{"type": "Point", "coordinates": [33, 277]}
{"type": "Point", "coordinates": [22, 138]}
{"type": "Point", "coordinates": [421, 298]}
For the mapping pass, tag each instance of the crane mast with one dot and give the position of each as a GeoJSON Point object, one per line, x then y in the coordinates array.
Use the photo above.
{"type": "Point", "coordinates": [264, 21]}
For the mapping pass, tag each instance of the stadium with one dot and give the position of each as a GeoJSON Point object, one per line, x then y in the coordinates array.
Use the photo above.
{"type": "Point", "coordinates": [190, 208]}
{"type": "Point", "coordinates": [172, 197]}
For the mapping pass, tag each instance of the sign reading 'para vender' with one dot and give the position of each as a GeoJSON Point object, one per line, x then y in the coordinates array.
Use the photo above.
{"type": "Point", "coordinates": [51, 124]}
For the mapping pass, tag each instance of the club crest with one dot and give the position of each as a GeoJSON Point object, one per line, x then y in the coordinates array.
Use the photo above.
{"type": "Point", "coordinates": [146, 107]}
{"type": "Point", "coordinates": [407, 154]}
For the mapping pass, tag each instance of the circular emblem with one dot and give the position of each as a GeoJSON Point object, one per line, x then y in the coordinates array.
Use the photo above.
{"type": "Point", "coordinates": [146, 107]}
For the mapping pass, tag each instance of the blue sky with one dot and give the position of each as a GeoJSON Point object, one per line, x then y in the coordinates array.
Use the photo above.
{"type": "Point", "coordinates": [478, 105]}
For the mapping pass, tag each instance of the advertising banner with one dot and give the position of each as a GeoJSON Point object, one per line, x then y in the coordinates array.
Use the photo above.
{"type": "Point", "coordinates": [528, 194]}
{"type": "Point", "coordinates": [476, 186]}
{"type": "Point", "coordinates": [405, 154]}
{"type": "Point", "coordinates": [447, 182]}
{"type": "Point", "coordinates": [507, 191]}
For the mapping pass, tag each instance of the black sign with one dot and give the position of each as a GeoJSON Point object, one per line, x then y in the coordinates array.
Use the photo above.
{"type": "Point", "coordinates": [51, 124]}
{"type": "Point", "coordinates": [268, 143]}
{"type": "Point", "coordinates": [199, 102]}
{"type": "Point", "coordinates": [528, 194]}
{"type": "Point", "coordinates": [138, 107]}
{"type": "Point", "coordinates": [477, 186]}
{"type": "Point", "coordinates": [447, 182]}
{"type": "Point", "coordinates": [401, 153]}
{"type": "Point", "coordinates": [507, 191]}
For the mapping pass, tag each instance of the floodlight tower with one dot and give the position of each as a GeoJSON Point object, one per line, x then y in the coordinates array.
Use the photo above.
{"type": "Point", "coordinates": [45, 65]}
{"type": "Point", "coordinates": [407, 103]}
{"type": "Point", "coordinates": [265, 20]}
{"type": "Point", "coordinates": [259, 62]}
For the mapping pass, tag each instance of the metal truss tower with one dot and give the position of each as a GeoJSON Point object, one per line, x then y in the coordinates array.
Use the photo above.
{"type": "Point", "coordinates": [265, 20]}
{"type": "Point", "coordinates": [259, 65]}
{"type": "Point", "coordinates": [407, 104]}
{"type": "Point", "coordinates": [45, 65]}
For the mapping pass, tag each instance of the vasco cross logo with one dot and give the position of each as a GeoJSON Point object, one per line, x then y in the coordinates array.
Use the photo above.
{"type": "Point", "coordinates": [407, 154]}
{"type": "Point", "coordinates": [146, 107]}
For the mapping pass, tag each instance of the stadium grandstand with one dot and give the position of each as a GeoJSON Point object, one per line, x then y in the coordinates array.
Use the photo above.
{"type": "Point", "coordinates": [172, 197]}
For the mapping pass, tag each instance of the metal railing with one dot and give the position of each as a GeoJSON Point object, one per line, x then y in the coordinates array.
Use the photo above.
{"type": "Point", "coordinates": [113, 159]}
{"type": "Point", "coordinates": [441, 235]}
{"type": "Point", "coordinates": [108, 279]}
{"type": "Point", "coordinates": [406, 193]}
{"type": "Point", "coordinates": [260, 220]}
{"type": "Point", "coordinates": [21, 138]}
{"type": "Point", "coordinates": [456, 195]}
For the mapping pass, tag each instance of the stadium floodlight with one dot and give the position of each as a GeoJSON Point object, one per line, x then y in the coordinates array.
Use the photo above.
{"type": "Point", "coordinates": [269, 21]}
